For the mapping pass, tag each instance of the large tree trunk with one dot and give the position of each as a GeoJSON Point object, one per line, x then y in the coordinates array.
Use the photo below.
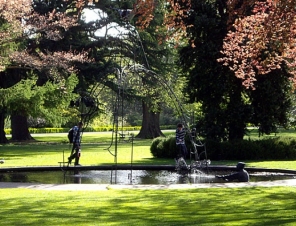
{"type": "Point", "coordinates": [20, 129]}
{"type": "Point", "coordinates": [3, 139]}
{"type": "Point", "coordinates": [150, 124]}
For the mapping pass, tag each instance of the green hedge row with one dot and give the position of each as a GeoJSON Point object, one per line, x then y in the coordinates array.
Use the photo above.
{"type": "Point", "coordinates": [88, 129]}
{"type": "Point", "coordinates": [278, 148]}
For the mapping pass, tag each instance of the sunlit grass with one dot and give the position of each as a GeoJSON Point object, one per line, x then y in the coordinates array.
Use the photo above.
{"type": "Point", "coordinates": [99, 149]}
{"type": "Point", "coordinates": [212, 206]}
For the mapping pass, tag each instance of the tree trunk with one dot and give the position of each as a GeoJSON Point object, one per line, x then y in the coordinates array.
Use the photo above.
{"type": "Point", "coordinates": [3, 139]}
{"type": "Point", "coordinates": [20, 129]}
{"type": "Point", "coordinates": [150, 124]}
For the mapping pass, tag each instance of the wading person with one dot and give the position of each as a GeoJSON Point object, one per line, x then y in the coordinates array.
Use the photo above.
{"type": "Point", "coordinates": [241, 175]}
{"type": "Point", "coordinates": [76, 148]}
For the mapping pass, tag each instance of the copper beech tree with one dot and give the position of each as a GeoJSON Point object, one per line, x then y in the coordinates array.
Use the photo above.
{"type": "Point", "coordinates": [256, 44]}
{"type": "Point", "coordinates": [261, 41]}
{"type": "Point", "coordinates": [261, 34]}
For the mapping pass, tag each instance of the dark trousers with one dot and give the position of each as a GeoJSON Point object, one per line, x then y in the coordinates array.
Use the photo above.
{"type": "Point", "coordinates": [182, 151]}
{"type": "Point", "coordinates": [75, 153]}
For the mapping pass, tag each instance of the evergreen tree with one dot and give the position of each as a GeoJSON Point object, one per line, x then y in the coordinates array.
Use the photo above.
{"type": "Point", "coordinates": [221, 94]}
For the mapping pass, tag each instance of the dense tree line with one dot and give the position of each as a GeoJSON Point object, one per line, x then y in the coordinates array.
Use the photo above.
{"type": "Point", "coordinates": [236, 59]}
{"type": "Point", "coordinates": [55, 42]}
{"type": "Point", "coordinates": [227, 105]}
{"type": "Point", "coordinates": [239, 61]}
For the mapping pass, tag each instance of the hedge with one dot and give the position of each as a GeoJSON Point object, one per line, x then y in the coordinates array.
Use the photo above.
{"type": "Point", "coordinates": [278, 148]}
{"type": "Point", "coordinates": [88, 129]}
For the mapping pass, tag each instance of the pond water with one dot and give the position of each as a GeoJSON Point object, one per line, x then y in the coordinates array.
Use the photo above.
{"type": "Point", "coordinates": [163, 177]}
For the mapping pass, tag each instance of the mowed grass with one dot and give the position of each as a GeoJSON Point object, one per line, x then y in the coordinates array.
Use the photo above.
{"type": "Point", "coordinates": [212, 206]}
{"type": "Point", "coordinates": [168, 207]}
{"type": "Point", "coordinates": [99, 148]}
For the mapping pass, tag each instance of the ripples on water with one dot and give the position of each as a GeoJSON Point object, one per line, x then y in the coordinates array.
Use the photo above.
{"type": "Point", "coordinates": [130, 177]}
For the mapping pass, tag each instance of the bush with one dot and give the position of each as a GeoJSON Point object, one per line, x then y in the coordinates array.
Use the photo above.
{"type": "Point", "coordinates": [156, 147]}
{"type": "Point", "coordinates": [279, 148]}
{"type": "Point", "coordinates": [165, 147]}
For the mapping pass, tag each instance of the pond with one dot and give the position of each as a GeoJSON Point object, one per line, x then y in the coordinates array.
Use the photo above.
{"type": "Point", "coordinates": [144, 177]}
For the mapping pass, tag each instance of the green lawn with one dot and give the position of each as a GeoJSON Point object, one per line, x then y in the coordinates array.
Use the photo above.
{"type": "Point", "coordinates": [213, 206]}
{"type": "Point", "coordinates": [210, 206]}
{"type": "Point", "coordinates": [98, 149]}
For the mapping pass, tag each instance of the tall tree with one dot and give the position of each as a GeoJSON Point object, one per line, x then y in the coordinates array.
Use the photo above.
{"type": "Point", "coordinates": [259, 37]}
{"type": "Point", "coordinates": [144, 48]}
{"type": "Point", "coordinates": [259, 48]}
{"type": "Point", "coordinates": [159, 60]}
{"type": "Point", "coordinates": [221, 94]}
{"type": "Point", "coordinates": [25, 28]}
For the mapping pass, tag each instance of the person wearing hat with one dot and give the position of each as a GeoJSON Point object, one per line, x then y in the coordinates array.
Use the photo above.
{"type": "Point", "coordinates": [241, 175]}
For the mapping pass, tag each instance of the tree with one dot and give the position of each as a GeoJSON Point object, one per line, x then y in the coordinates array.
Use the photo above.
{"type": "Point", "coordinates": [160, 74]}
{"type": "Point", "coordinates": [258, 38]}
{"type": "Point", "coordinates": [261, 39]}
{"type": "Point", "coordinates": [259, 48]}
{"type": "Point", "coordinates": [222, 96]}
{"type": "Point", "coordinates": [144, 49]}
{"type": "Point", "coordinates": [272, 101]}
{"type": "Point", "coordinates": [261, 34]}
{"type": "Point", "coordinates": [24, 28]}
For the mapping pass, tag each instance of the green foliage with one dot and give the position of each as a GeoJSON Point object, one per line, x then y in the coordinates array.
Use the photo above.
{"type": "Point", "coordinates": [275, 148]}
{"type": "Point", "coordinates": [49, 101]}
{"type": "Point", "coordinates": [225, 111]}
{"type": "Point", "coordinates": [278, 148]}
{"type": "Point", "coordinates": [164, 147]}
{"type": "Point", "coordinates": [8, 44]}
{"type": "Point", "coordinates": [157, 148]}
{"type": "Point", "coordinates": [272, 101]}
{"type": "Point", "coordinates": [88, 129]}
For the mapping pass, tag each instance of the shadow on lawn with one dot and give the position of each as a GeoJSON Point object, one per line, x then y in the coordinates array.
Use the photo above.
{"type": "Point", "coordinates": [239, 206]}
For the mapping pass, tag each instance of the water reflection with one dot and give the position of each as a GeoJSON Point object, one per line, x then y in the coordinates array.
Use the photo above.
{"type": "Point", "coordinates": [162, 177]}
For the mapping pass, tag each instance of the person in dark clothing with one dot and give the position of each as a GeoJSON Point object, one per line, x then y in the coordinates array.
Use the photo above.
{"type": "Point", "coordinates": [76, 148]}
{"type": "Point", "coordinates": [241, 175]}
{"type": "Point", "coordinates": [180, 141]}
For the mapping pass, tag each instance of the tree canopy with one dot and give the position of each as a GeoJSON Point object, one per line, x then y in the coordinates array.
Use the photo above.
{"type": "Point", "coordinates": [261, 34]}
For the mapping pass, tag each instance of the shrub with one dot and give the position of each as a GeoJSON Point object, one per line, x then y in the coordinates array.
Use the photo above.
{"type": "Point", "coordinates": [156, 147]}
{"type": "Point", "coordinates": [279, 148]}
{"type": "Point", "coordinates": [165, 147]}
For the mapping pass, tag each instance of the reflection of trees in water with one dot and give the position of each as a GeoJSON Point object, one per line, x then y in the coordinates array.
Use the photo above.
{"type": "Point", "coordinates": [2, 177]}
{"type": "Point", "coordinates": [18, 177]}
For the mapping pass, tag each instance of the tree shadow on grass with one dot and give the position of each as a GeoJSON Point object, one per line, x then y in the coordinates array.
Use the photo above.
{"type": "Point", "coordinates": [227, 206]}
